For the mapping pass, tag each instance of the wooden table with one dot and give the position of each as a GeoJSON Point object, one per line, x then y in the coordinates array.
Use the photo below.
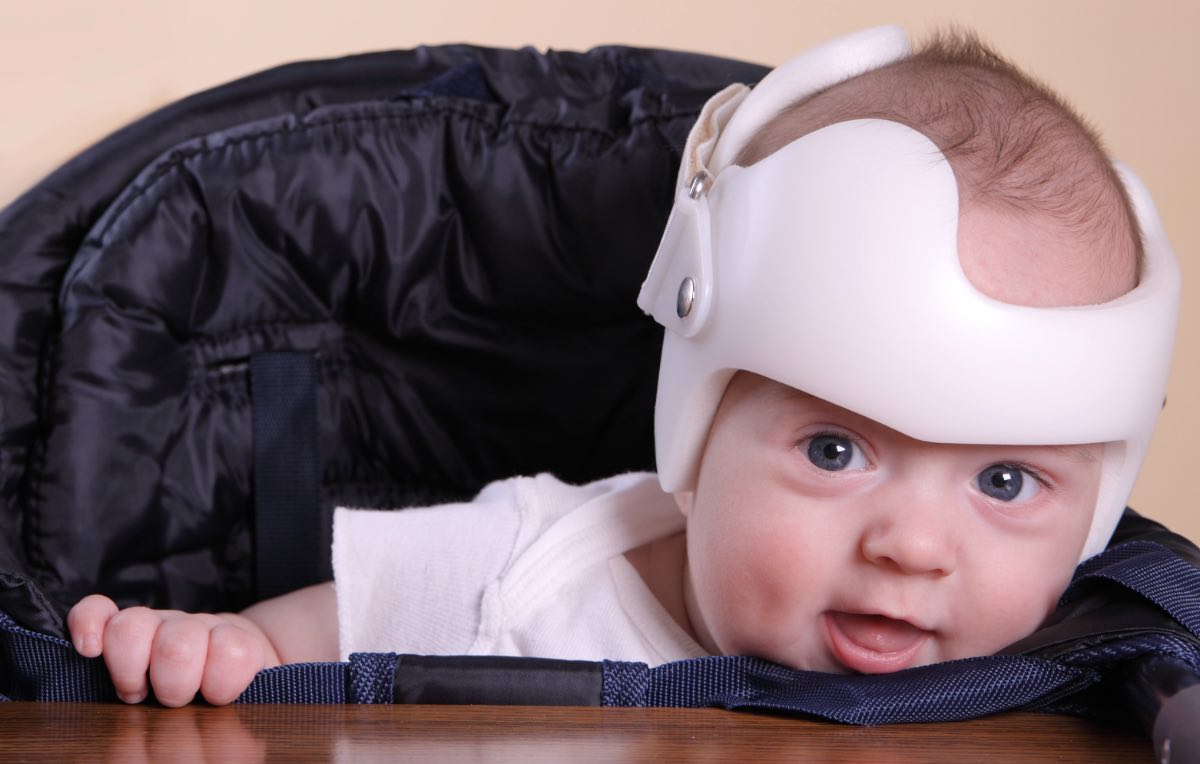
{"type": "Point", "coordinates": [134, 734]}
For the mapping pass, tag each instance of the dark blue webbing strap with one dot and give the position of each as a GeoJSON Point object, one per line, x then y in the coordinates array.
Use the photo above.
{"type": "Point", "coordinates": [40, 667]}
{"type": "Point", "coordinates": [1151, 570]}
{"type": "Point", "coordinates": [940, 692]}
{"type": "Point", "coordinates": [365, 679]}
{"type": "Point", "coordinates": [313, 683]}
{"type": "Point", "coordinates": [291, 542]}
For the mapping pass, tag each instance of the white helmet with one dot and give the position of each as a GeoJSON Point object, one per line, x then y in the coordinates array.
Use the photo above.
{"type": "Point", "coordinates": [832, 266]}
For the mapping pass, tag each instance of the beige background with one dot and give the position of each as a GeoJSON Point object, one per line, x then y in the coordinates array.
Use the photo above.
{"type": "Point", "coordinates": [70, 72]}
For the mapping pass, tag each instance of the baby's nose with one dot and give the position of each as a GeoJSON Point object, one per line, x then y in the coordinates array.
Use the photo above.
{"type": "Point", "coordinates": [915, 540]}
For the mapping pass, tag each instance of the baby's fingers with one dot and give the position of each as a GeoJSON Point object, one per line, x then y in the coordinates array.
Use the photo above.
{"type": "Point", "coordinates": [235, 656]}
{"type": "Point", "coordinates": [86, 622]}
{"type": "Point", "coordinates": [127, 640]}
{"type": "Point", "coordinates": [177, 659]}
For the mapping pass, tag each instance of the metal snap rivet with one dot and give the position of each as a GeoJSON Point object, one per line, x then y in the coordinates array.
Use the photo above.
{"type": "Point", "coordinates": [687, 296]}
{"type": "Point", "coordinates": [699, 185]}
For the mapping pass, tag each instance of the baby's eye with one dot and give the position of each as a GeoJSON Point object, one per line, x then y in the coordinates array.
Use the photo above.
{"type": "Point", "coordinates": [835, 453]}
{"type": "Point", "coordinates": [1004, 482]}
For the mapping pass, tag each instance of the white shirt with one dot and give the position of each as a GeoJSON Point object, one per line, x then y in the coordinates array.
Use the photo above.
{"type": "Point", "coordinates": [532, 567]}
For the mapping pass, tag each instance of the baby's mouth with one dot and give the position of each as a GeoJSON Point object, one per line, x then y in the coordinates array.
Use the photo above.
{"type": "Point", "coordinates": [873, 644]}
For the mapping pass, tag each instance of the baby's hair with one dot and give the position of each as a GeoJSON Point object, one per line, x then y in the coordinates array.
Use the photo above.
{"type": "Point", "coordinates": [1015, 145]}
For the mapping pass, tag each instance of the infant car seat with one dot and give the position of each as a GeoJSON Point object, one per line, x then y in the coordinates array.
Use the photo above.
{"type": "Point", "coordinates": [387, 280]}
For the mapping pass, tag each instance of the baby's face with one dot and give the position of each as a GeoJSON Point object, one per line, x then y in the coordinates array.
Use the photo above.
{"type": "Point", "coordinates": [823, 540]}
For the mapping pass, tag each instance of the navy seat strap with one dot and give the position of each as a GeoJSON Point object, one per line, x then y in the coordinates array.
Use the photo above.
{"type": "Point", "coordinates": [939, 692]}
{"type": "Point", "coordinates": [40, 667]}
{"type": "Point", "coordinates": [1154, 572]}
{"type": "Point", "coordinates": [291, 533]}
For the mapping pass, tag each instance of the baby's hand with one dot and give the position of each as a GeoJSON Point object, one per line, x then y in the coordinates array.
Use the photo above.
{"type": "Point", "coordinates": [217, 655]}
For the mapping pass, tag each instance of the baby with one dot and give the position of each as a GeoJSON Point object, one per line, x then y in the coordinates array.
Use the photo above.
{"type": "Point", "coordinates": [863, 284]}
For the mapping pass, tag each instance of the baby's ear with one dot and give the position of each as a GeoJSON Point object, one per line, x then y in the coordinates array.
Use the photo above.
{"type": "Point", "coordinates": [684, 499]}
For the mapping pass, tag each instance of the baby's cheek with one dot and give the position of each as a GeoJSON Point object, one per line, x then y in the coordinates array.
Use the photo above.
{"type": "Point", "coordinates": [780, 571]}
{"type": "Point", "coordinates": [1009, 609]}
{"type": "Point", "coordinates": [758, 588]}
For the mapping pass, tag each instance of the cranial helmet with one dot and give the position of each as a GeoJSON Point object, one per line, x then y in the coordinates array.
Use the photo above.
{"type": "Point", "coordinates": [832, 266]}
